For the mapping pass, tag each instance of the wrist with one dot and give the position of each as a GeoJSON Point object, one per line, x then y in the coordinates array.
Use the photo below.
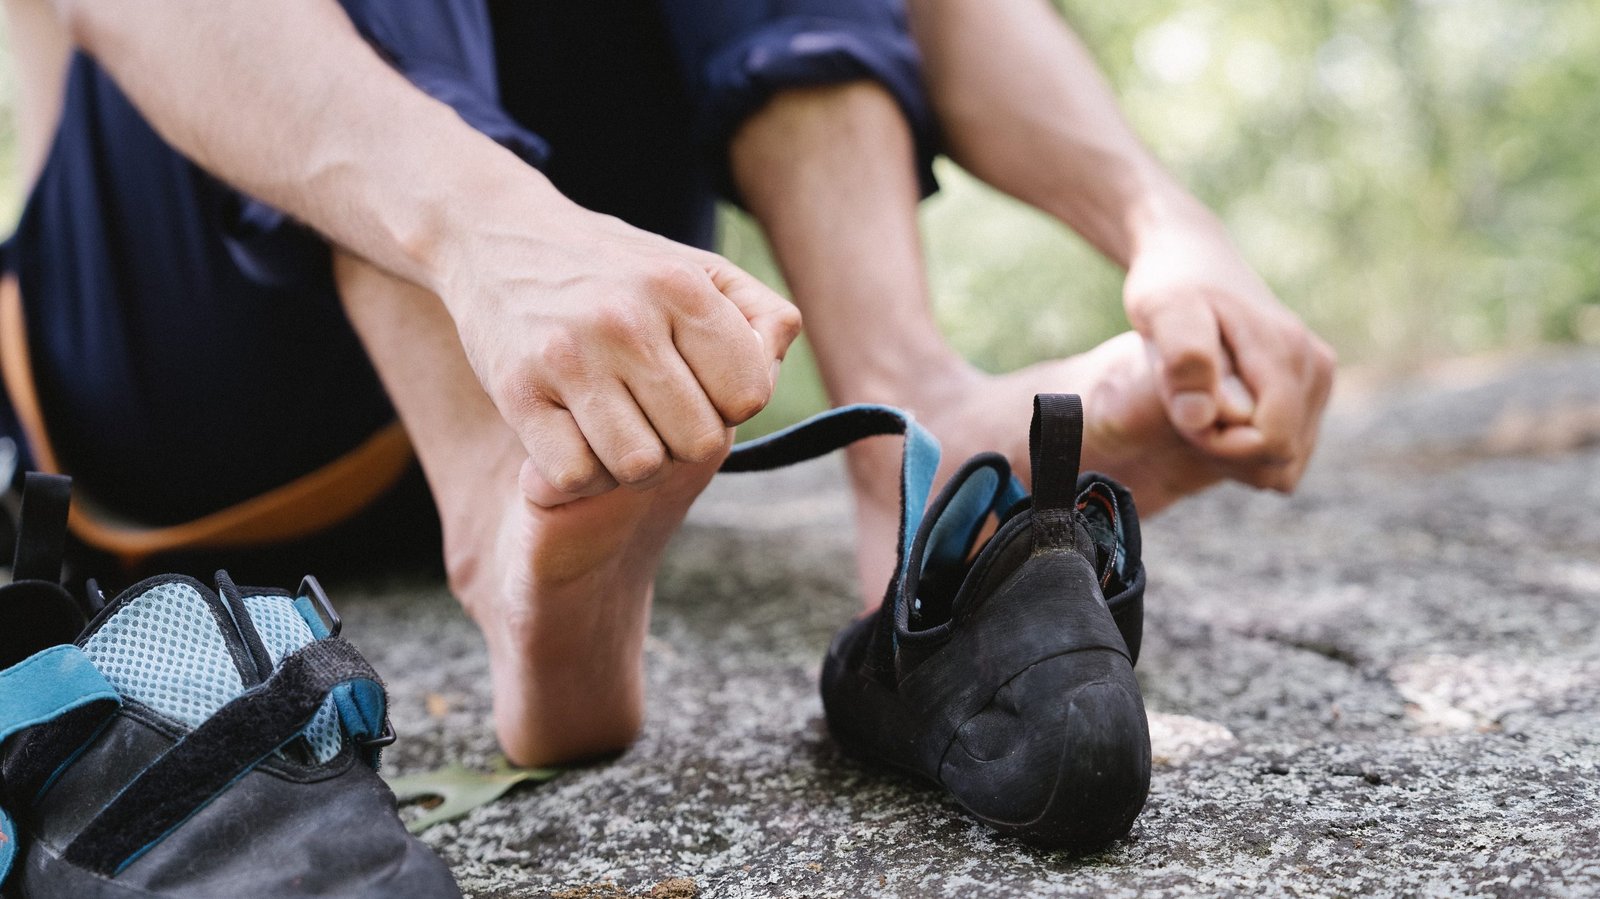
{"type": "Point", "coordinates": [1127, 205]}
{"type": "Point", "coordinates": [1167, 214]}
{"type": "Point", "coordinates": [473, 199]}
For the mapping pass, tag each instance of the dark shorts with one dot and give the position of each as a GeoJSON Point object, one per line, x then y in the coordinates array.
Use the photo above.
{"type": "Point", "coordinates": [187, 346]}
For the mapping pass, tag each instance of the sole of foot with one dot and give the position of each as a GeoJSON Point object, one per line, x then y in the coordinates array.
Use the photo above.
{"type": "Point", "coordinates": [562, 596]}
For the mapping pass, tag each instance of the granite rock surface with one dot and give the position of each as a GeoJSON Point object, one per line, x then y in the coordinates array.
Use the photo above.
{"type": "Point", "coordinates": [1388, 684]}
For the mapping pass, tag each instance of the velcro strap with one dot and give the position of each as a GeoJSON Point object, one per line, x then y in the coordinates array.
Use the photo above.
{"type": "Point", "coordinates": [215, 754]}
{"type": "Point", "coordinates": [42, 527]}
{"type": "Point", "coordinates": [838, 428]}
{"type": "Point", "coordinates": [38, 690]}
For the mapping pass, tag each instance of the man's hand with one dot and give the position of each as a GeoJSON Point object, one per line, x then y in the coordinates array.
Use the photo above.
{"type": "Point", "coordinates": [613, 353]}
{"type": "Point", "coordinates": [1241, 377]}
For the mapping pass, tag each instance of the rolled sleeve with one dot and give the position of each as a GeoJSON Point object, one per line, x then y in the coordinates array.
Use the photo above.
{"type": "Point", "coordinates": [738, 55]}
{"type": "Point", "coordinates": [447, 51]}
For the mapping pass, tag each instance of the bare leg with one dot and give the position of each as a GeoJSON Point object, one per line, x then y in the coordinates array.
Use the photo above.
{"type": "Point", "coordinates": [561, 594]}
{"type": "Point", "coordinates": [830, 174]}
{"type": "Point", "coordinates": [40, 48]}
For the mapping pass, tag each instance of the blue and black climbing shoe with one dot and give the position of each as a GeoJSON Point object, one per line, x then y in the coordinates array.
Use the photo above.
{"type": "Point", "coordinates": [185, 742]}
{"type": "Point", "coordinates": [1003, 674]}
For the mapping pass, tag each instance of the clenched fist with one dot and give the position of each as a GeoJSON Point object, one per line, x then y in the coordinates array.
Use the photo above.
{"type": "Point", "coordinates": [613, 353]}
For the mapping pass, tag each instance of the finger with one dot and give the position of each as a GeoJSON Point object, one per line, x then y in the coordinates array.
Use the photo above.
{"type": "Point", "coordinates": [538, 489]}
{"type": "Point", "coordinates": [679, 411]}
{"type": "Point", "coordinates": [621, 436]}
{"type": "Point", "coordinates": [1188, 356]}
{"type": "Point", "coordinates": [1309, 403]}
{"type": "Point", "coordinates": [1285, 405]}
{"type": "Point", "coordinates": [561, 467]}
{"type": "Point", "coordinates": [773, 317]}
{"type": "Point", "coordinates": [1236, 404]}
{"type": "Point", "coordinates": [1238, 452]}
{"type": "Point", "coordinates": [1232, 444]}
{"type": "Point", "coordinates": [1324, 366]}
{"type": "Point", "coordinates": [727, 357]}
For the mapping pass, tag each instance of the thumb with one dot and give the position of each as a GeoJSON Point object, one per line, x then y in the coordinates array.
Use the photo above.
{"type": "Point", "coordinates": [1187, 353]}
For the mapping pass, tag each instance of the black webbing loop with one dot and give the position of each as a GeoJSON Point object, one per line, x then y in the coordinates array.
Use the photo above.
{"type": "Point", "coordinates": [216, 753]}
{"type": "Point", "coordinates": [42, 527]}
{"type": "Point", "coordinates": [1055, 445]}
{"type": "Point", "coordinates": [817, 436]}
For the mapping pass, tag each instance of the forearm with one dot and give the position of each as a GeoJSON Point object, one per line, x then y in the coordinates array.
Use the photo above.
{"type": "Point", "coordinates": [1024, 107]}
{"type": "Point", "coordinates": [288, 103]}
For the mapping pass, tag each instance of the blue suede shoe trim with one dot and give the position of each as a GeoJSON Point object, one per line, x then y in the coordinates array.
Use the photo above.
{"type": "Point", "coordinates": [838, 428]}
{"type": "Point", "coordinates": [8, 845]}
{"type": "Point", "coordinates": [39, 689]}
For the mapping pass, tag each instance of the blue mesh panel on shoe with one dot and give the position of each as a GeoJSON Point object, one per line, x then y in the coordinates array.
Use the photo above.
{"type": "Point", "coordinates": [163, 650]}
{"type": "Point", "coordinates": [284, 631]}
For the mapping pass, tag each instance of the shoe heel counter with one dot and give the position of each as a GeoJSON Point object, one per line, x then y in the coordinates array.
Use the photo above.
{"type": "Point", "coordinates": [1059, 591]}
{"type": "Point", "coordinates": [1059, 754]}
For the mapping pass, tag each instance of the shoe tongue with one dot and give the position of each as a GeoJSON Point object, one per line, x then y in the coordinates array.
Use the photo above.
{"type": "Point", "coordinates": [173, 646]}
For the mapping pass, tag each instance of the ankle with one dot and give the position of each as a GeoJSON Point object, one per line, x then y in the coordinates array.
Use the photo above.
{"type": "Point", "coordinates": [471, 549]}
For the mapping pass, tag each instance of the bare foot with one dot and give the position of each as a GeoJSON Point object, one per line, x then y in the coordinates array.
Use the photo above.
{"type": "Point", "coordinates": [562, 596]}
{"type": "Point", "coordinates": [1126, 435]}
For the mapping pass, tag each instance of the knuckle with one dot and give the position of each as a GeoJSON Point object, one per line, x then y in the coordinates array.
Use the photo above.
{"type": "Point", "coordinates": [1278, 450]}
{"type": "Point", "coordinates": [561, 354]}
{"type": "Point", "coordinates": [638, 466]}
{"type": "Point", "coordinates": [617, 321]}
{"type": "Point", "coordinates": [790, 322]}
{"type": "Point", "coordinates": [706, 446]}
{"type": "Point", "coordinates": [1137, 304]}
{"type": "Point", "coordinates": [744, 400]}
{"type": "Point", "coordinates": [524, 399]}
{"type": "Point", "coordinates": [1188, 363]}
{"type": "Point", "coordinates": [676, 279]}
{"type": "Point", "coordinates": [576, 476]}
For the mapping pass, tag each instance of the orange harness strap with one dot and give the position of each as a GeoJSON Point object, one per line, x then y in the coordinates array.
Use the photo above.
{"type": "Point", "coordinates": [304, 506]}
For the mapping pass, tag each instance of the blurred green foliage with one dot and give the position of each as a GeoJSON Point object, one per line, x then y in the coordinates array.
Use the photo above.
{"type": "Point", "coordinates": [1417, 179]}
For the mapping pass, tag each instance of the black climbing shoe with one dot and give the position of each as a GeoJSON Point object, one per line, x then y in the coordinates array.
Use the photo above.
{"type": "Point", "coordinates": [189, 743]}
{"type": "Point", "coordinates": [1005, 675]}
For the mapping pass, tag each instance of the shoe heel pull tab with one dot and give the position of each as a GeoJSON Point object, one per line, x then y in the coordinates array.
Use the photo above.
{"type": "Point", "coordinates": [1055, 447]}
{"type": "Point", "coordinates": [42, 527]}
